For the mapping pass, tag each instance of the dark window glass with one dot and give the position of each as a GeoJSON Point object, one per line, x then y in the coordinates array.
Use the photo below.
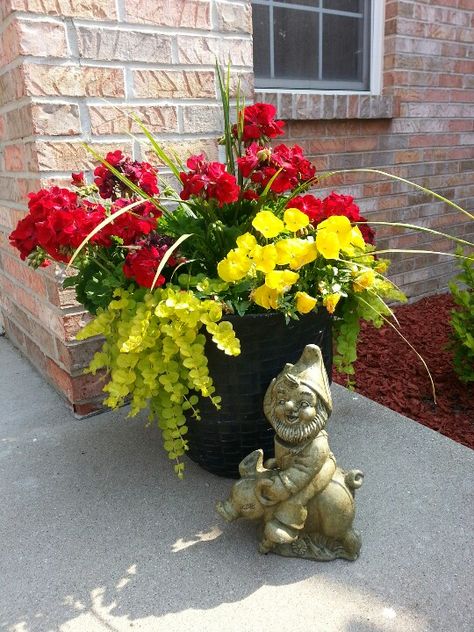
{"type": "Point", "coordinates": [342, 48]}
{"type": "Point", "coordinates": [344, 5]}
{"type": "Point", "coordinates": [261, 38]}
{"type": "Point", "coordinates": [312, 44]}
{"type": "Point", "coordinates": [292, 35]}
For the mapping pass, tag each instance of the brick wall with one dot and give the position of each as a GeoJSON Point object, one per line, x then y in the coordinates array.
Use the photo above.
{"type": "Point", "coordinates": [70, 68]}
{"type": "Point", "coordinates": [70, 71]}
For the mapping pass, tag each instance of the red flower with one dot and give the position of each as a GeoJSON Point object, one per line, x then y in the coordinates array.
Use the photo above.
{"type": "Point", "coordinates": [77, 179]}
{"type": "Point", "coordinates": [334, 204]}
{"type": "Point", "coordinates": [142, 264]}
{"type": "Point", "coordinates": [133, 224]}
{"type": "Point", "coordinates": [260, 164]}
{"type": "Point", "coordinates": [310, 206]}
{"type": "Point", "coordinates": [210, 180]}
{"type": "Point", "coordinates": [259, 122]}
{"type": "Point", "coordinates": [142, 174]}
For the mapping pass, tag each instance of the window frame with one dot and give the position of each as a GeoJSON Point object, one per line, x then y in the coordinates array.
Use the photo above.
{"type": "Point", "coordinates": [377, 22]}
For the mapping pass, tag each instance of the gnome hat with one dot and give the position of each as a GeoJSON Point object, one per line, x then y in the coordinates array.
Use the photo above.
{"type": "Point", "coordinates": [310, 371]}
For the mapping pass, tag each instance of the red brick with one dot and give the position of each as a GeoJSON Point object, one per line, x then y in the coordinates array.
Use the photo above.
{"type": "Point", "coordinates": [99, 9]}
{"type": "Point", "coordinates": [69, 156]}
{"type": "Point", "coordinates": [42, 39]}
{"type": "Point", "coordinates": [194, 14]}
{"type": "Point", "coordinates": [109, 120]}
{"type": "Point", "coordinates": [113, 44]}
{"type": "Point", "coordinates": [9, 44]}
{"type": "Point", "coordinates": [234, 17]}
{"type": "Point", "coordinates": [52, 119]}
{"type": "Point", "coordinates": [174, 84]}
{"type": "Point", "coordinates": [72, 81]}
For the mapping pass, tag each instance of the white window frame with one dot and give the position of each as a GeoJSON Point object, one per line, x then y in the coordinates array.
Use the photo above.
{"type": "Point", "coordinates": [377, 30]}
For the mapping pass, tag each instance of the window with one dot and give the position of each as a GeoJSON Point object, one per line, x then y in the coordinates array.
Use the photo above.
{"type": "Point", "coordinates": [312, 44]}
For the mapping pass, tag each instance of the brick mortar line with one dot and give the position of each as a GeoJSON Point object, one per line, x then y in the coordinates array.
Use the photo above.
{"type": "Point", "coordinates": [82, 62]}
{"type": "Point", "coordinates": [15, 105]}
{"type": "Point", "coordinates": [110, 101]}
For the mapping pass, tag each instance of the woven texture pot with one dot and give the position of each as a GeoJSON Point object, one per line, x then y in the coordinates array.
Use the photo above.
{"type": "Point", "coordinates": [224, 437]}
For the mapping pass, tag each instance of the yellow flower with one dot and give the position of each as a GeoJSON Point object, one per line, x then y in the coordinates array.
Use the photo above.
{"type": "Point", "coordinates": [328, 244]}
{"type": "Point", "coordinates": [246, 242]}
{"type": "Point", "coordinates": [364, 280]}
{"type": "Point", "coordinates": [381, 266]}
{"type": "Point", "coordinates": [295, 219]}
{"type": "Point", "coordinates": [356, 238]}
{"type": "Point", "coordinates": [330, 301]}
{"type": "Point", "coordinates": [265, 297]}
{"type": "Point", "coordinates": [234, 267]}
{"type": "Point", "coordinates": [295, 252]}
{"type": "Point", "coordinates": [281, 280]}
{"type": "Point", "coordinates": [264, 257]}
{"type": "Point", "coordinates": [267, 224]}
{"type": "Point", "coordinates": [304, 302]}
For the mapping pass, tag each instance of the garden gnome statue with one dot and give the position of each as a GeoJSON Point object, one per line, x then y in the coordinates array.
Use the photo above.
{"type": "Point", "coordinates": [304, 501]}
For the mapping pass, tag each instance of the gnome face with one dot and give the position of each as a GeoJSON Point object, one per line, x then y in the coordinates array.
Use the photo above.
{"type": "Point", "coordinates": [297, 414]}
{"type": "Point", "coordinates": [298, 402]}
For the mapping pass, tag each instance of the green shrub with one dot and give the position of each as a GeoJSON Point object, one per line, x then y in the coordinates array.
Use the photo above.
{"type": "Point", "coordinates": [462, 321]}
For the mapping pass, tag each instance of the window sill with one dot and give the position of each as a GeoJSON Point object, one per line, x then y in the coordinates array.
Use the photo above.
{"type": "Point", "coordinates": [310, 106]}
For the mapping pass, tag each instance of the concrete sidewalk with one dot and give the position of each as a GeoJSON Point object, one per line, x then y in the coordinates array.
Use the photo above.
{"type": "Point", "coordinates": [97, 534]}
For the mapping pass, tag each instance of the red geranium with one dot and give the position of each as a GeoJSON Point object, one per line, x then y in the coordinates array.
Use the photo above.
{"type": "Point", "coordinates": [260, 164]}
{"type": "Point", "coordinates": [142, 174]}
{"type": "Point", "coordinates": [210, 180]}
{"type": "Point", "coordinates": [334, 204]}
{"type": "Point", "coordinates": [141, 264]}
{"type": "Point", "coordinates": [259, 122]}
{"type": "Point", "coordinates": [133, 224]}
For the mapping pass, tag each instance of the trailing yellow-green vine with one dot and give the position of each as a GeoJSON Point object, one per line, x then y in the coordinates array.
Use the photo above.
{"type": "Point", "coordinates": [154, 354]}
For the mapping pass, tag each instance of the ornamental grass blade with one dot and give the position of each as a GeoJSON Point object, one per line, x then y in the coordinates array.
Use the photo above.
{"type": "Point", "coordinates": [421, 252]}
{"type": "Point", "coordinates": [99, 227]}
{"type": "Point", "coordinates": [159, 151]}
{"type": "Point", "coordinates": [166, 256]}
{"type": "Point", "coordinates": [328, 174]}
{"type": "Point", "coordinates": [422, 229]}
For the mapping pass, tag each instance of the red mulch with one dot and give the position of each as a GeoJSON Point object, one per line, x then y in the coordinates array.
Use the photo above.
{"type": "Point", "coordinates": [390, 373]}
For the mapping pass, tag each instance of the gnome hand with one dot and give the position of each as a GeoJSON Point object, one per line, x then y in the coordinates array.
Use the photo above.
{"type": "Point", "coordinates": [271, 491]}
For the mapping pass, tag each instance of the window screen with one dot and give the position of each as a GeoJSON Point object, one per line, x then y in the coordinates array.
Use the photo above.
{"type": "Point", "coordinates": [312, 44]}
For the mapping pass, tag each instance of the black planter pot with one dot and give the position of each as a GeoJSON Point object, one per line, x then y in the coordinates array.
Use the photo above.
{"type": "Point", "coordinates": [224, 437]}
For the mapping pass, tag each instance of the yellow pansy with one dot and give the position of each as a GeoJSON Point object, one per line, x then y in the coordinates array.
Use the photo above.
{"type": "Point", "coordinates": [330, 301]}
{"type": "Point", "coordinates": [328, 244]}
{"type": "Point", "coordinates": [381, 266]}
{"type": "Point", "coordinates": [265, 297]}
{"type": "Point", "coordinates": [364, 280]}
{"type": "Point", "coordinates": [234, 267]}
{"type": "Point", "coordinates": [295, 219]}
{"type": "Point", "coordinates": [295, 252]}
{"type": "Point", "coordinates": [356, 238]}
{"type": "Point", "coordinates": [246, 242]}
{"type": "Point", "coordinates": [267, 224]}
{"type": "Point", "coordinates": [304, 302]}
{"type": "Point", "coordinates": [264, 257]}
{"type": "Point", "coordinates": [281, 280]}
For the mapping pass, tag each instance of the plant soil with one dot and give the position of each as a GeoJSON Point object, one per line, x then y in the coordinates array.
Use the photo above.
{"type": "Point", "coordinates": [390, 373]}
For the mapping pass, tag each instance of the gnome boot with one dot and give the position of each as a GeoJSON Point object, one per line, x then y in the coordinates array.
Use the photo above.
{"type": "Point", "coordinates": [279, 533]}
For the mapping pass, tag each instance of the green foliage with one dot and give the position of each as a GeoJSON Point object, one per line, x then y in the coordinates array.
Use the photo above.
{"type": "Point", "coordinates": [154, 354]}
{"type": "Point", "coordinates": [462, 320]}
{"type": "Point", "coordinates": [95, 283]}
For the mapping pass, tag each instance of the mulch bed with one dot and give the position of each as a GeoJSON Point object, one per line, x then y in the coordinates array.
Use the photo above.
{"type": "Point", "coordinates": [390, 373]}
